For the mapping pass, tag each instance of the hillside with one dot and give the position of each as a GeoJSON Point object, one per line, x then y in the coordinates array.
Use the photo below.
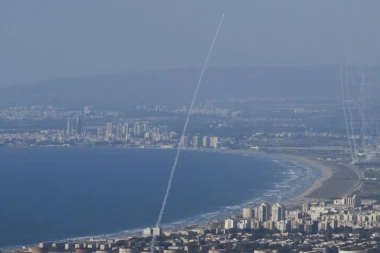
{"type": "Point", "coordinates": [175, 87]}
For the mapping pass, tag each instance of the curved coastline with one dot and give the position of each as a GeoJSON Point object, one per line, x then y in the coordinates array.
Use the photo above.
{"type": "Point", "coordinates": [324, 171]}
{"type": "Point", "coordinates": [325, 174]}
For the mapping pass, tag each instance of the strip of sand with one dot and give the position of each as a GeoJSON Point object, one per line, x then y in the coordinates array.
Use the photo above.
{"type": "Point", "coordinates": [326, 174]}
{"type": "Point", "coordinates": [326, 171]}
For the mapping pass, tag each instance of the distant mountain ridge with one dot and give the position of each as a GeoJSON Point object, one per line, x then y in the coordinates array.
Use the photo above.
{"type": "Point", "coordinates": [176, 86]}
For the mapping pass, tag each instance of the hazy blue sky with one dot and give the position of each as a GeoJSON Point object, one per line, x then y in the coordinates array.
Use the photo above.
{"type": "Point", "coordinates": [50, 39]}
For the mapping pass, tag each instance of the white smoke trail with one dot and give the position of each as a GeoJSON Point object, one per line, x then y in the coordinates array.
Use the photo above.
{"type": "Point", "coordinates": [345, 113]}
{"type": "Point", "coordinates": [345, 92]}
{"type": "Point", "coordinates": [366, 126]}
{"type": "Point", "coordinates": [350, 114]}
{"type": "Point", "coordinates": [363, 129]}
{"type": "Point", "coordinates": [368, 131]}
{"type": "Point", "coordinates": [359, 106]}
{"type": "Point", "coordinates": [184, 133]}
{"type": "Point", "coordinates": [360, 109]}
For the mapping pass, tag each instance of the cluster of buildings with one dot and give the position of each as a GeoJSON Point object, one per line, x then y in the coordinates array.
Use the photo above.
{"type": "Point", "coordinates": [80, 130]}
{"type": "Point", "coordinates": [155, 138]}
{"type": "Point", "coordinates": [200, 141]}
{"type": "Point", "coordinates": [315, 227]}
{"type": "Point", "coordinates": [200, 239]}
{"type": "Point", "coordinates": [74, 127]}
{"type": "Point", "coordinates": [354, 201]}
{"type": "Point", "coordinates": [157, 231]}
{"type": "Point", "coordinates": [313, 218]}
{"type": "Point", "coordinates": [100, 127]}
{"type": "Point", "coordinates": [144, 133]}
{"type": "Point", "coordinates": [265, 215]}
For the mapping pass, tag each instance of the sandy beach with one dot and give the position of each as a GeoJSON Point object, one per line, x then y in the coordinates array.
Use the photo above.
{"type": "Point", "coordinates": [335, 181]}
{"type": "Point", "coordinates": [326, 174]}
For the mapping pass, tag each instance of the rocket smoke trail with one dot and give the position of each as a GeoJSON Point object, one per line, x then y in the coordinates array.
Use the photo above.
{"type": "Point", "coordinates": [184, 133]}
{"type": "Point", "coordinates": [350, 114]}
{"type": "Point", "coordinates": [345, 113]}
{"type": "Point", "coordinates": [343, 93]}
{"type": "Point", "coordinates": [366, 128]}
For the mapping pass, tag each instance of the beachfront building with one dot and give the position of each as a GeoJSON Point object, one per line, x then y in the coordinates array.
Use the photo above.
{"type": "Point", "coordinates": [306, 207]}
{"type": "Point", "coordinates": [278, 212]}
{"type": "Point", "coordinates": [214, 140]}
{"type": "Point", "coordinates": [147, 231]}
{"type": "Point", "coordinates": [157, 231]}
{"type": "Point", "coordinates": [248, 213]}
{"type": "Point", "coordinates": [205, 141]}
{"type": "Point", "coordinates": [263, 212]}
{"type": "Point", "coordinates": [195, 141]}
{"type": "Point", "coordinates": [229, 224]}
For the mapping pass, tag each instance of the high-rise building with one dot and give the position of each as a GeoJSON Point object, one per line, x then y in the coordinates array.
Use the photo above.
{"type": "Point", "coordinates": [263, 212]}
{"type": "Point", "coordinates": [87, 109]}
{"type": "Point", "coordinates": [244, 224]}
{"type": "Point", "coordinates": [125, 129]}
{"type": "Point", "coordinates": [144, 127]}
{"type": "Point", "coordinates": [357, 201]}
{"type": "Point", "coordinates": [278, 212]}
{"type": "Point", "coordinates": [183, 141]}
{"type": "Point", "coordinates": [100, 131]}
{"type": "Point", "coordinates": [195, 141]}
{"type": "Point", "coordinates": [255, 224]}
{"type": "Point", "coordinates": [205, 141]}
{"type": "Point", "coordinates": [284, 225]}
{"type": "Point", "coordinates": [157, 231]}
{"type": "Point", "coordinates": [147, 231]}
{"type": "Point", "coordinates": [79, 125]}
{"type": "Point", "coordinates": [354, 201]}
{"type": "Point", "coordinates": [109, 129]}
{"type": "Point", "coordinates": [229, 224]}
{"type": "Point", "coordinates": [305, 207]}
{"type": "Point", "coordinates": [69, 128]}
{"type": "Point", "coordinates": [119, 131]}
{"type": "Point", "coordinates": [248, 213]}
{"type": "Point", "coordinates": [214, 140]}
{"type": "Point", "coordinates": [136, 129]}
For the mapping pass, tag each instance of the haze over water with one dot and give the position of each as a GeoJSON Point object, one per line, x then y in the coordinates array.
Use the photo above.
{"type": "Point", "coordinates": [57, 193]}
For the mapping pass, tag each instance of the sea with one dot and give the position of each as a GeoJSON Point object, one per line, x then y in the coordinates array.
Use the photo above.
{"type": "Point", "coordinates": [74, 193]}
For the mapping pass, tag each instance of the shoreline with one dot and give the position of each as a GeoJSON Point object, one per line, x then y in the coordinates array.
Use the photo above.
{"type": "Point", "coordinates": [325, 170]}
{"type": "Point", "coordinates": [325, 174]}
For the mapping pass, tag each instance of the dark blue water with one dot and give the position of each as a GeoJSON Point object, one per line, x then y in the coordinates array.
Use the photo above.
{"type": "Point", "coordinates": [57, 193]}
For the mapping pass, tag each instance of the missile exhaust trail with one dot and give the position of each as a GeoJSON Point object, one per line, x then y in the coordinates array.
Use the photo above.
{"type": "Point", "coordinates": [345, 113]}
{"type": "Point", "coordinates": [184, 133]}
{"type": "Point", "coordinates": [354, 146]}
